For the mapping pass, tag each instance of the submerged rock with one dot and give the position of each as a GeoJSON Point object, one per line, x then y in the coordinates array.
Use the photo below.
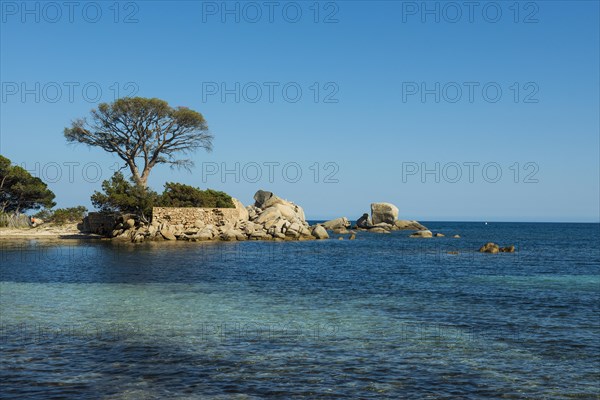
{"type": "Point", "coordinates": [379, 229]}
{"type": "Point", "coordinates": [490, 247]}
{"type": "Point", "coordinates": [422, 234]}
{"type": "Point", "coordinates": [340, 231]}
{"type": "Point", "coordinates": [493, 248]}
{"type": "Point", "coordinates": [403, 224]}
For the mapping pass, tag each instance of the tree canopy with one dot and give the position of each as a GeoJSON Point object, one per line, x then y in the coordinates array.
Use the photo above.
{"type": "Point", "coordinates": [180, 195]}
{"type": "Point", "coordinates": [121, 195]}
{"type": "Point", "coordinates": [143, 133]}
{"type": "Point", "coordinates": [20, 191]}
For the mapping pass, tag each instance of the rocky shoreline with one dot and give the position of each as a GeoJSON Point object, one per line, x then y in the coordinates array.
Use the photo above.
{"type": "Point", "coordinates": [269, 218]}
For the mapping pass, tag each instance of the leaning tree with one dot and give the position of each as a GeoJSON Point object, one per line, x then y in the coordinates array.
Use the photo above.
{"type": "Point", "coordinates": [143, 133]}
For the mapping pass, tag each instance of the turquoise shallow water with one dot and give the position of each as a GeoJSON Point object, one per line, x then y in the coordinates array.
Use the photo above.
{"type": "Point", "coordinates": [384, 316]}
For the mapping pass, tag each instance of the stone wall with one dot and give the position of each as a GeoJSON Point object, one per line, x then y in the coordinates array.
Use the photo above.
{"type": "Point", "coordinates": [96, 222]}
{"type": "Point", "coordinates": [191, 216]}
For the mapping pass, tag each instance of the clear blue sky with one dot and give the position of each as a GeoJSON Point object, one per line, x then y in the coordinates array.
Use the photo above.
{"type": "Point", "coordinates": [378, 132]}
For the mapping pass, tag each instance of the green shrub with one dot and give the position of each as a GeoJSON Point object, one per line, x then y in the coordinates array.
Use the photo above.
{"type": "Point", "coordinates": [44, 214]}
{"type": "Point", "coordinates": [122, 196]}
{"type": "Point", "coordinates": [62, 215]}
{"type": "Point", "coordinates": [180, 195]}
{"type": "Point", "coordinates": [68, 215]}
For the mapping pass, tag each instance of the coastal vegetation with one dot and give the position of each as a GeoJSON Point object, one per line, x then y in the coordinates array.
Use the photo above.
{"type": "Point", "coordinates": [20, 191]}
{"type": "Point", "coordinates": [120, 195]}
{"type": "Point", "coordinates": [62, 216]}
{"type": "Point", "coordinates": [180, 195]}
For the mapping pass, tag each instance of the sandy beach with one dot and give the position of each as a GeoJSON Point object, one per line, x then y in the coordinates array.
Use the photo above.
{"type": "Point", "coordinates": [49, 231]}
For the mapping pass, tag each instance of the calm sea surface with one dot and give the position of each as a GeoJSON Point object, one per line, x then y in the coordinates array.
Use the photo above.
{"type": "Point", "coordinates": [383, 316]}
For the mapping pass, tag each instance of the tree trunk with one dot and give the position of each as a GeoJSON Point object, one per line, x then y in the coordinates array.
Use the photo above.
{"type": "Point", "coordinates": [135, 174]}
{"type": "Point", "coordinates": [144, 178]}
{"type": "Point", "coordinates": [140, 181]}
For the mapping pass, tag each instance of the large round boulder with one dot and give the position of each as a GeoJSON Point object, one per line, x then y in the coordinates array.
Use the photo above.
{"type": "Point", "coordinates": [261, 197]}
{"type": "Point", "coordinates": [319, 232]}
{"type": "Point", "coordinates": [383, 212]}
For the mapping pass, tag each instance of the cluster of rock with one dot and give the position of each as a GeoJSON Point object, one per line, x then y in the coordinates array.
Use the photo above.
{"type": "Point", "coordinates": [426, 233]}
{"type": "Point", "coordinates": [383, 219]}
{"type": "Point", "coordinates": [273, 217]}
{"type": "Point", "coordinates": [269, 218]}
{"type": "Point", "coordinates": [493, 248]}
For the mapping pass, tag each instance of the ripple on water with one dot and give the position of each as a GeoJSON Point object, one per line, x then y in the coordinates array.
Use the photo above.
{"type": "Point", "coordinates": [318, 320]}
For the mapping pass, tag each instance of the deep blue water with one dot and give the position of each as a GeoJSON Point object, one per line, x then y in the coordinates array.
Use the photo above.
{"type": "Point", "coordinates": [383, 316]}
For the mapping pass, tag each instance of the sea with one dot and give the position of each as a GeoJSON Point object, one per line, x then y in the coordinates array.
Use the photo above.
{"type": "Point", "coordinates": [381, 316]}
